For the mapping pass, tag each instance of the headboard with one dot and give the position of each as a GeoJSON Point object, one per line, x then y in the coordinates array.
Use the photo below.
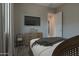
{"type": "Point", "coordinates": [69, 47]}
{"type": "Point", "coordinates": [30, 36]}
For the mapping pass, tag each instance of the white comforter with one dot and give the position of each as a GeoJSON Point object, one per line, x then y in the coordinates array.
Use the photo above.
{"type": "Point", "coordinates": [39, 50]}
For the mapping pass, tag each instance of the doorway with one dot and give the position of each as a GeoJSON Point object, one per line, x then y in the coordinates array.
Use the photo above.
{"type": "Point", "coordinates": [51, 25]}
{"type": "Point", "coordinates": [55, 24]}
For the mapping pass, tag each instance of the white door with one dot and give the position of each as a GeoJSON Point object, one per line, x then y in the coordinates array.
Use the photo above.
{"type": "Point", "coordinates": [58, 24]}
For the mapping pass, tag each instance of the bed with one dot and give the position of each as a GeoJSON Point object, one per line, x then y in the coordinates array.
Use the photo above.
{"type": "Point", "coordinates": [61, 47]}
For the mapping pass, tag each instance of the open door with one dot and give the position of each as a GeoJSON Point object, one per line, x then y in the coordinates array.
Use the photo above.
{"type": "Point", "coordinates": [58, 24]}
{"type": "Point", "coordinates": [55, 25]}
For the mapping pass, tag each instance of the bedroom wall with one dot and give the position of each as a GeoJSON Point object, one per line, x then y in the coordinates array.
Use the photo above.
{"type": "Point", "coordinates": [20, 10]}
{"type": "Point", "coordinates": [70, 20]}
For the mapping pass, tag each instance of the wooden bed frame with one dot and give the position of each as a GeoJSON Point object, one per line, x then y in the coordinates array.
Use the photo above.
{"type": "Point", "coordinates": [69, 47]}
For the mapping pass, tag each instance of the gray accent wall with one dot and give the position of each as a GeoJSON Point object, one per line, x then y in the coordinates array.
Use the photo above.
{"type": "Point", "coordinates": [21, 10]}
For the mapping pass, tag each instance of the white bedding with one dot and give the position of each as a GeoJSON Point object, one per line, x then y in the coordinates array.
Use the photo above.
{"type": "Point", "coordinates": [39, 50]}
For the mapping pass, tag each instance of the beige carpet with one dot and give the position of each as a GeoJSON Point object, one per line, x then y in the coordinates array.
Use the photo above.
{"type": "Point", "coordinates": [21, 51]}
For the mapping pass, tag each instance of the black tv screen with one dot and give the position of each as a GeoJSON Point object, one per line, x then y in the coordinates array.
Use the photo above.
{"type": "Point", "coordinates": [31, 21]}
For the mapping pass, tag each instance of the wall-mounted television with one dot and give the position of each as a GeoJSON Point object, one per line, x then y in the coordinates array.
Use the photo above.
{"type": "Point", "coordinates": [31, 21]}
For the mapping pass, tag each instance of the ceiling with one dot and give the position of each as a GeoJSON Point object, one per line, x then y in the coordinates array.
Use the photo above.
{"type": "Point", "coordinates": [51, 5]}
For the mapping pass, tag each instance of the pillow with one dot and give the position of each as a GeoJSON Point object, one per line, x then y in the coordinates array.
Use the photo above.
{"type": "Point", "coordinates": [33, 40]}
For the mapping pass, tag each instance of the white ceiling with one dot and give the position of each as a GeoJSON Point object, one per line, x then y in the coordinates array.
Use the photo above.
{"type": "Point", "coordinates": [52, 5]}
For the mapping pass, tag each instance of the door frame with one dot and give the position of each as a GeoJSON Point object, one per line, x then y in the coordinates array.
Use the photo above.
{"type": "Point", "coordinates": [62, 21]}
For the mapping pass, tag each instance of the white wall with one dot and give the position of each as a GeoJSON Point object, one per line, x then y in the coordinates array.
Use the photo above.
{"type": "Point", "coordinates": [30, 10]}
{"type": "Point", "coordinates": [70, 20]}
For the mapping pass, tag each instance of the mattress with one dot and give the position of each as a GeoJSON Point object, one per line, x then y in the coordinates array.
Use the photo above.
{"type": "Point", "coordinates": [39, 50]}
